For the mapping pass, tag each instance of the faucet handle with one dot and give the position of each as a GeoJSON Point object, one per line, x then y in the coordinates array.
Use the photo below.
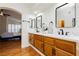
{"type": "Point", "coordinates": [58, 33]}
{"type": "Point", "coordinates": [66, 33]}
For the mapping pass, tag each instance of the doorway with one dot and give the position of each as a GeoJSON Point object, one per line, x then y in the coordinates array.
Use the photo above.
{"type": "Point", "coordinates": [10, 30]}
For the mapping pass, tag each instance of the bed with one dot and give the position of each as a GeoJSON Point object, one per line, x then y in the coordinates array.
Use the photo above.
{"type": "Point", "coordinates": [10, 36]}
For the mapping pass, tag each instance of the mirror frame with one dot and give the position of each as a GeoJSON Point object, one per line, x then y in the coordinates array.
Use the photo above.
{"type": "Point", "coordinates": [40, 21]}
{"type": "Point", "coordinates": [32, 22]}
{"type": "Point", "coordinates": [56, 15]}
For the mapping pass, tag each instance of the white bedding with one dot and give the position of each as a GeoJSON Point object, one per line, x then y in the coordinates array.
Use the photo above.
{"type": "Point", "coordinates": [4, 35]}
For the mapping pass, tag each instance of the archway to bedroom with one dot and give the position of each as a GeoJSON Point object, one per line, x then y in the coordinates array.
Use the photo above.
{"type": "Point", "coordinates": [10, 29]}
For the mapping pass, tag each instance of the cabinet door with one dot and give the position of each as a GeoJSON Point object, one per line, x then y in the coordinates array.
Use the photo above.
{"type": "Point", "coordinates": [49, 50]}
{"type": "Point", "coordinates": [67, 46]}
{"type": "Point", "coordinates": [60, 52]}
{"type": "Point", "coordinates": [32, 42]}
{"type": "Point", "coordinates": [31, 39]}
{"type": "Point", "coordinates": [39, 45]}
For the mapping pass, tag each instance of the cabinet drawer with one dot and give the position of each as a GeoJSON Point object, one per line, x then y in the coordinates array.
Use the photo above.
{"type": "Point", "coordinates": [49, 40]}
{"type": "Point", "coordinates": [38, 37]}
{"type": "Point", "coordinates": [66, 46]}
{"type": "Point", "coordinates": [60, 52]}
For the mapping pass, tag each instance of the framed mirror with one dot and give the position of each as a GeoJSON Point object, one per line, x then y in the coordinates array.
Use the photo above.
{"type": "Point", "coordinates": [66, 15]}
{"type": "Point", "coordinates": [32, 22]}
{"type": "Point", "coordinates": [39, 22]}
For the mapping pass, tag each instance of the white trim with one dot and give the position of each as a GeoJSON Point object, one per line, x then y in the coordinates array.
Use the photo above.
{"type": "Point", "coordinates": [37, 50]}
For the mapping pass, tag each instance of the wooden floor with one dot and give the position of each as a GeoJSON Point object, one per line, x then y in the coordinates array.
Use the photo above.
{"type": "Point", "coordinates": [13, 48]}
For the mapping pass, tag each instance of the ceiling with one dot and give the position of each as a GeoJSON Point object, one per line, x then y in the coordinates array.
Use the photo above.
{"type": "Point", "coordinates": [31, 7]}
{"type": "Point", "coordinates": [12, 13]}
{"type": "Point", "coordinates": [39, 7]}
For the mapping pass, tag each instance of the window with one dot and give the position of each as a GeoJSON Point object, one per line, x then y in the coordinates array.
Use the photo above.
{"type": "Point", "coordinates": [9, 28]}
{"type": "Point", "coordinates": [14, 27]}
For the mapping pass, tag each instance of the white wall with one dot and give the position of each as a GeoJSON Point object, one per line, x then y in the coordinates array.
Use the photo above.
{"type": "Point", "coordinates": [12, 20]}
{"type": "Point", "coordinates": [2, 24]}
{"type": "Point", "coordinates": [49, 15]}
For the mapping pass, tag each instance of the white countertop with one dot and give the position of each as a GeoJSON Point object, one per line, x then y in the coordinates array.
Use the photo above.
{"type": "Point", "coordinates": [72, 38]}
{"type": "Point", "coordinates": [64, 37]}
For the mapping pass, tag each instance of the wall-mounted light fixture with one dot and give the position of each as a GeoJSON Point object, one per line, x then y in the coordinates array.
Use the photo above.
{"type": "Point", "coordinates": [25, 21]}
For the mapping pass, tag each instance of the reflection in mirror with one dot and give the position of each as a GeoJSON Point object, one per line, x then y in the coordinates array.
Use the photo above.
{"type": "Point", "coordinates": [50, 28]}
{"type": "Point", "coordinates": [39, 22]}
{"type": "Point", "coordinates": [66, 15]}
{"type": "Point", "coordinates": [32, 22]}
{"type": "Point", "coordinates": [44, 27]}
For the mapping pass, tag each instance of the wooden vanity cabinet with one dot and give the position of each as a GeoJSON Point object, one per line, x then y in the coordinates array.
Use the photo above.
{"type": "Point", "coordinates": [53, 46]}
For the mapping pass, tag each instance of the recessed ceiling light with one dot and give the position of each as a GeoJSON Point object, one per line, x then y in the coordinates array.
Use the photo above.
{"type": "Point", "coordinates": [35, 12]}
{"type": "Point", "coordinates": [40, 14]}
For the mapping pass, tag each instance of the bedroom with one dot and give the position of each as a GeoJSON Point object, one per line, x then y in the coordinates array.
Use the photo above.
{"type": "Point", "coordinates": [10, 28]}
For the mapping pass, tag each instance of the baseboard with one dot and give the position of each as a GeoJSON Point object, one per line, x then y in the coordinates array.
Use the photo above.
{"type": "Point", "coordinates": [23, 46]}
{"type": "Point", "coordinates": [37, 50]}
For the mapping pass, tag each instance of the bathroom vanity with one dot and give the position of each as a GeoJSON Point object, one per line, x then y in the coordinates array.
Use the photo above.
{"type": "Point", "coordinates": [63, 43]}
{"type": "Point", "coordinates": [55, 45]}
